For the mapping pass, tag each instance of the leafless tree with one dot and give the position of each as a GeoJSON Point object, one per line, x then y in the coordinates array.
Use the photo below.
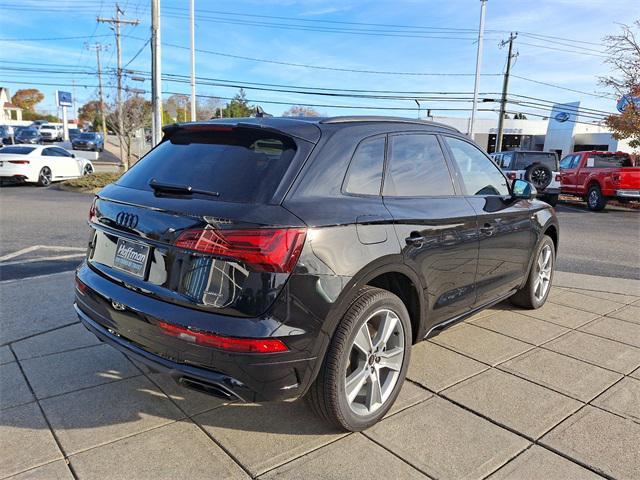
{"type": "Point", "coordinates": [136, 114]}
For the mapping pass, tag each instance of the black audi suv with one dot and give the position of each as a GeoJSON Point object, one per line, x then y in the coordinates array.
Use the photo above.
{"type": "Point", "coordinates": [272, 258]}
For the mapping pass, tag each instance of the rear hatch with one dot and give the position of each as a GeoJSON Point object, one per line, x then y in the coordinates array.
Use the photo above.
{"type": "Point", "coordinates": [198, 222]}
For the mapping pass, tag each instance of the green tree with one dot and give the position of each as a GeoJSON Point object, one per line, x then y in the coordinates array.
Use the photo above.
{"type": "Point", "coordinates": [27, 98]}
{"type": "Point", "coordinates": [90, 112]}
{"type": "Point", "coordinates": [238, 106]}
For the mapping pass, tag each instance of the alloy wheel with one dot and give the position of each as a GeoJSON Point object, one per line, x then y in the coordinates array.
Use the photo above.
{"type": "Point", "coordinates": [375, 361]}
{"type": "Point", "coordinates": [544, 266]}
{"type": "Point", "coordinates": [45, 176]}
{"type": "Point", "coordinates": [88, 170]}
{"type": "Point", "coordinates": [593, 198]}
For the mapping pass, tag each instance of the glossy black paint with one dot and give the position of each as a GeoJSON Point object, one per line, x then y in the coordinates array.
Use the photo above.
{"type": "Point", "coordinates": [445, 257]}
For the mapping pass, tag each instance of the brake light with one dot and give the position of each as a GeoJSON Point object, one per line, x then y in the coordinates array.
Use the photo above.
{"type": "Point", "coordinates": [267, 250]}
{"type": "Point", "coordinates": [19, 162]}
{"type": "Point", "coordinates": [232, 344]}
{"type": "Point", "coordinates": [92, 212]}
{"type": "Point", "coordinates": [511, 175]}
{"type": "Point", "coordinates": [81, 286]}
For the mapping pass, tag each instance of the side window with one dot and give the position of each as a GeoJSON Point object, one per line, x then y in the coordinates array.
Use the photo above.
{"type": "Point", "coordinates": [48, 152]}
{"type": "Point", "coordinates": [567, 161]}
{"type": "Point", "coordinates": [417, 167]}
{"type": "Point", "coordinates": [576, 161]}
{"type": "Point", "coordinates": [365, 171]}
{"type": "Point", "coordinates": [506, 160]}
{"type": "Point", "coordinates": [61, 152]}
{"type": "Point", "coordinates": [479, 174]}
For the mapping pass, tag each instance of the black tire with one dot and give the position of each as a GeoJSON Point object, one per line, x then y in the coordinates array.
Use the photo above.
{"type": "Point", "coordinates": [526, 296]}
{"type": "Point", "coordinates": [551, 199]}
{"type": "Point", "coordinates": [595, 200]}
{"type": "Point", "coordinates": [539, 175]}
{"type": "Point", "coordinates": [44, 177]}
{"type": "Point", "coordinates": [87, 170]}
{"type": "Point", "coordinates": [327, 396]}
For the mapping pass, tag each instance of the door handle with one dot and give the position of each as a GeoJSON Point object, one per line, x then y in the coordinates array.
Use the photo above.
{"type": "Point", "coordinates": [415, 239]}
{"type": "Point", "coordinates": [488, 229]}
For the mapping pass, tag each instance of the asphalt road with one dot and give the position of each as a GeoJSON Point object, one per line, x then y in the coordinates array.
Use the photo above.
{"type": "Point", "coordinates": [596, 243]}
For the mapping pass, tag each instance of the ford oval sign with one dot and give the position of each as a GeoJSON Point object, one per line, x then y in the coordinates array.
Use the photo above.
{"type": "Point", "coordinates": [562, 117]}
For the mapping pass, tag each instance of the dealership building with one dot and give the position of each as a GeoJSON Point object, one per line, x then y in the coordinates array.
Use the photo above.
{"type": "Point", "coordinates": [563, 131]}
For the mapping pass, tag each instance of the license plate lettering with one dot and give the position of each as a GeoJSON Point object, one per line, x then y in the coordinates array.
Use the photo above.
{"type": "Point", "coordinates": [131, 257]}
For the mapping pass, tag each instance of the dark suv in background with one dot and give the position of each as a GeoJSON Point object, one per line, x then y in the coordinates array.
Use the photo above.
{"type": "Point", "coordinates": [270, 258]}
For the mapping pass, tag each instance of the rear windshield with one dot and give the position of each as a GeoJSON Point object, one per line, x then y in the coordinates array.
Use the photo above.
{"type": "Point", "coordinates": [608, 161]}
{"type": "Point", "coordinates": [524, 159]}
{"type": "Point", "coordinates": [28, 133]}
{"type": "Point", "coordinates": [243, 165]}
{"type": "Point", "coordinates": [17, 150]}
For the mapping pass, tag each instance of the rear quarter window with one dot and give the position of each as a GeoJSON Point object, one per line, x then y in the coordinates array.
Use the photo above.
{"type": "Point", "coordinates": [525, 159]}
{"type": "Point", "coordinates": [243, 165]}
{"type": "Point", "coordinates": [364, 176]}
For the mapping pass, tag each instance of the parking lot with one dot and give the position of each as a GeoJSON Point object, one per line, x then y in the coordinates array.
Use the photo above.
{"type": "Point", "coordinates": [551, 393]}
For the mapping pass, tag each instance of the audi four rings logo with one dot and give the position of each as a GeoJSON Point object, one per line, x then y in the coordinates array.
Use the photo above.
{"type": "Point", "coordinates": [128, 220]}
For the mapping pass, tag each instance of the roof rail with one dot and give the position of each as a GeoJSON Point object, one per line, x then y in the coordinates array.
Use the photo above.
{"type": "Point", "coordinates": [379, 118]}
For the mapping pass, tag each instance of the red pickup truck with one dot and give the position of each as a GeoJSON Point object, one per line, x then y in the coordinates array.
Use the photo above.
{"type": "Point", "coordinates": [598, 177]}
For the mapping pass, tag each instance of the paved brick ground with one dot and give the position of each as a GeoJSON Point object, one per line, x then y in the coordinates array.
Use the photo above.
{"type": "Point", "coordinates": [552, 393]}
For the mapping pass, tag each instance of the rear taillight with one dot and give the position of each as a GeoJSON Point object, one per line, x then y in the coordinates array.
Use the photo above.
{"type": "Point", "coordinates": [81, 286]}
{"type": "Point", "coordinates": [19, 162]}
{"type": "Point", "coordinates": [511, 175]}
{"type": "Point", "coordinates": [232, 344]}
{"type": "Point", "coordinates": [92, 212]}
{"type": "Point", "coordinates": [267, 249]}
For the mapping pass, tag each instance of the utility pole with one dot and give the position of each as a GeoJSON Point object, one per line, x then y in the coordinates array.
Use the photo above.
{"type": "Point", "coordinates": [193, 61]}
{"type": "Point", "coordinates": [116, 22]}
{"type": "Point", "coordinates": [476, 86]}
{"type": "Point", "coordinates": [98, 48]}
{"type": "Point", "coordinates": [156, 87]}
{"type": "Point", "coordinates": [505, 88]}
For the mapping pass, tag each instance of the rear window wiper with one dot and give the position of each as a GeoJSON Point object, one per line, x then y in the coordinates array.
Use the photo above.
{"type": "Point", "coordinates": [179, 189]}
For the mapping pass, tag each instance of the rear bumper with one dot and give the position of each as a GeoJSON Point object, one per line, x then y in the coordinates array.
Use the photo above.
{"type": "Point", "coordinates": [214, 383]}
{"type": "Point", "coordinates": [132, 328]}
{"type": "Point", "coordinates": [627, 193]}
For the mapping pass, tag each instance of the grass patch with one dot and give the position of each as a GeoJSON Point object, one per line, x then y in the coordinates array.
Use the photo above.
{"type": "Point", "coordinates": [90, 183]}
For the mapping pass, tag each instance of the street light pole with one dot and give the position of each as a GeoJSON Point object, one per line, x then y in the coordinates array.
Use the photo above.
{"type": "Point", "coordinates": [505, 89]}
{"type": "Point", "coordinates": [156, 86]}
{"type": "Point", "coordinates": [193, 61]}
{"type": "Point", "coordinates": [483, 6]}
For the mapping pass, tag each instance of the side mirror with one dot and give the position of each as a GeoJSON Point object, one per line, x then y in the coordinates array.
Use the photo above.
{"type": "Point", "coordinates": [73, 155]}
{"type": "Point", "coordinates": [522, 189]}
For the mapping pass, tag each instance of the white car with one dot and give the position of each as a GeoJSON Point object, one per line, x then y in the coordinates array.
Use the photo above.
{"type": "Point", "coordinates": [41, 164]}
{"type": "Point", "coordinates": [539, 168]}
{"type": "Point", "coordinates": [50, 132]}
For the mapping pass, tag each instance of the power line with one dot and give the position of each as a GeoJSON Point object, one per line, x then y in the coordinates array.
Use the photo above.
{"type": "Point", "coordinates": [42, 39]}
{"type": "Point", "coordinates": [606, 95]}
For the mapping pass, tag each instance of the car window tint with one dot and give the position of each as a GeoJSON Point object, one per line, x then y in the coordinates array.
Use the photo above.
{"type": "Point", "coordinates": [506, 160]}
{"type": "Point", "coordinates": [60, 152]}
{"type": "Point", "coordinates": [243, 165]}
{"type": "Point", "coordinates": [566, 161]}
{"type": "Point", "coordinates": [417, 167]}
{"type": "Point", "coordinates": [576, 161]}
{"type": "Point", "coordinates": [48, 152]}
{"type": "Point", "coordinates": [365, 172]}
{"type": "Point", "coordinates": [479, 174]}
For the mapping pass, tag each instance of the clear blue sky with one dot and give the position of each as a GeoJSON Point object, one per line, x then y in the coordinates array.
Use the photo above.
{"type": "Point", "coordinates": [312, 33]}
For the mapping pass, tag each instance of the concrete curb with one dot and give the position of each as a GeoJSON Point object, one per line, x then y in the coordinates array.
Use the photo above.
{"type": "Point", "coordinates": [601, 284]}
